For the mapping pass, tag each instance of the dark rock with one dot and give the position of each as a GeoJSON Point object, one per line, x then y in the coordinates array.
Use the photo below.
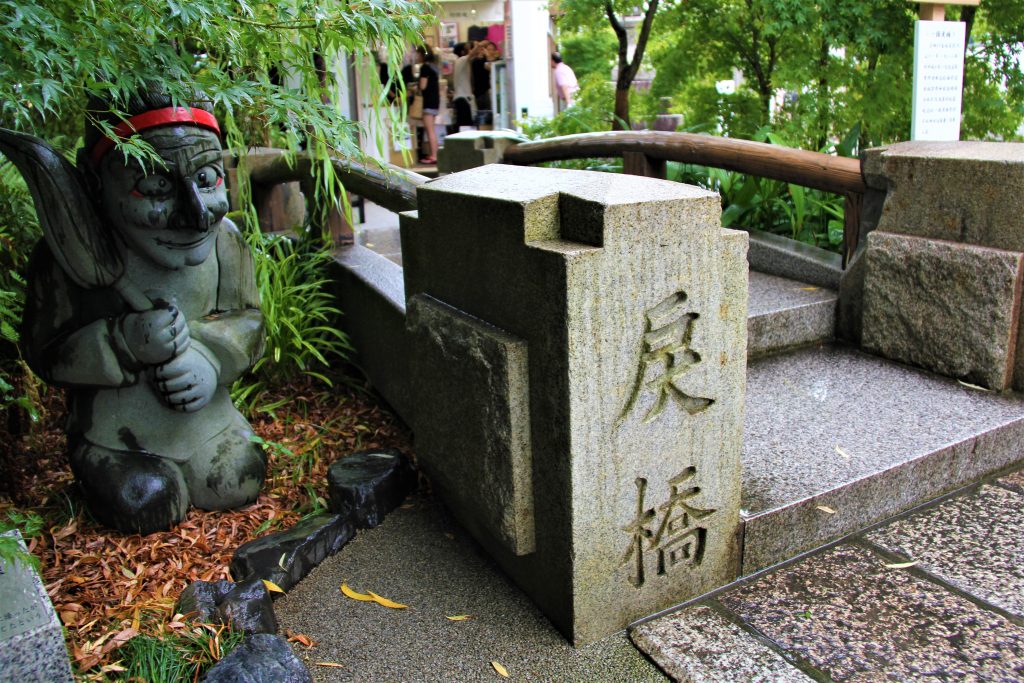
{"type": "Point", "coordinates": [199, 600]}
{"type": "Point", "coordinates": [248, 608]}
{"type": "Point", "coordinates": [370, 484]}
{"type": "Point", "coordinates": [262, 658]}
{"type": "Point", "coordinates": [287, 556]}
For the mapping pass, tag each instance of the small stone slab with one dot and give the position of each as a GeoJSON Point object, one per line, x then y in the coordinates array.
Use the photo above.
{"type": "Point", "coordinates": [369, 484]}
{"type": "Point", "coordinates": [854, 619]}
{"type": "Point", "coordinates": [286, 557]}
{"type": "Point", "coordinates": [245, 606]}
{"type": "Point", "coordinates": [32, 646]}
{"type": "Point", "coordinates": [947, 307]}
{"type": "Point", "coordinates": [975, 542]}
{"type": "Point", "coordinates": [262, 658]}
{"type": "Point", "coordinates": [698, 645]}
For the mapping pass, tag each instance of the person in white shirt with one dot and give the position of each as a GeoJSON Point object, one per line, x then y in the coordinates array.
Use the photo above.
{"type": "Point", "coordinates": [462, 86]}
{"type": "Point", "coordinates": [565, 79]}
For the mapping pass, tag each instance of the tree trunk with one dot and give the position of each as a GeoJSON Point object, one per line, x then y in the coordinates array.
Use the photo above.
{"type": "Point", "coordinates": [621, 121]}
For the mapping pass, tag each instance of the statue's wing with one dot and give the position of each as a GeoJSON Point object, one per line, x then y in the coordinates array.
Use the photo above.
{"type": "Point", "coordinates": [69, 221]}
{"type": "Point", "coordinates": [84, 250]}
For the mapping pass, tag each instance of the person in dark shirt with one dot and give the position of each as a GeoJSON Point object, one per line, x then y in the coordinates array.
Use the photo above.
{"type": "Point", "coordinates": [431, 92]}
{"type": "Point", "coordinates": [486, 53]}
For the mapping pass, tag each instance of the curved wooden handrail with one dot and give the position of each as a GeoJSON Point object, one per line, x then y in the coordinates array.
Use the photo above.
{"type": "Point", "coordinates": [841, 175]}
{"type": "Point", "coordinates": [391, 187]}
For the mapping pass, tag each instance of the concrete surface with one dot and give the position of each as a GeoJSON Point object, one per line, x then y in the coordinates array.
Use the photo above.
{"type": "Point", "coordinates": [419, 557]}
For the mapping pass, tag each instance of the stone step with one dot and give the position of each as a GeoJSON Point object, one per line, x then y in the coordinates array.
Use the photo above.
{"type": "Point", "coordinates": [837, 440]}
{"type": "Point", "coordinates": [784, 313]}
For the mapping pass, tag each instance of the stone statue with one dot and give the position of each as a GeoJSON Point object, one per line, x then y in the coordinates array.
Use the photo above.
{"type": "Point", "coordinates": [142, 302]}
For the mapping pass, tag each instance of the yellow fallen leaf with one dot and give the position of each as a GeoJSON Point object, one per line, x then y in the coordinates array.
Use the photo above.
{"type": "Point", "coordinates": [387, 603]}
{"type": "Point", "coordinates": [809, 289]}
{"type": "Point", "coordinates": [502, 671]}
{"type": "Point", "coordinates": [972, 386]}
{"type": "Point", "coordinates": [900, 565]}
{"type": "Point", "coordinates": [331, 664]}
{"type": "Point", "coordinates": [272, 587]}
{"type": "Point", "coordinates": [356, 596]}
{"type": "Point", "coordinates": [840, 451]}
{"type": "Point", "coordinates": [460, 617]}
{"type": "Point", "coordinates": [826, 509]}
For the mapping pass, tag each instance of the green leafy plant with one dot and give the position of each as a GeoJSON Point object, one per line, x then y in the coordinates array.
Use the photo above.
{"type": "Point", "coordinates": [299, 315]}
{"type": "Point", "coordinates": [30, 525]}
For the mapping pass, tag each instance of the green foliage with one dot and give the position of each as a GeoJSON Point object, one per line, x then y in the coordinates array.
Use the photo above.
{"type": "Point", "coordinates": [754, 203]}
{"type": "Point", "coordinates": [180, 658]}
{"type": "Point", "coordinates": [590, 50]}
{"type": "Point", "coordinates": [30, 525]}
{"type": "Point", "coordinates": [298, 311]}
{"type": "Point", "coordinates": [590, 112]}
{"type": "Point", "coordinates": [54, 54]}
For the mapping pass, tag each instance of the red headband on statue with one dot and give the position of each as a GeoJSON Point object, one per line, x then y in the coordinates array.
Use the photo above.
{"type": "Point", "coordinates": [152, 119]}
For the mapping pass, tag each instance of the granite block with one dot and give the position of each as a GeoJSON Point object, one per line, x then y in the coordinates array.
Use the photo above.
{"type": "Point", "coordinates": [970, 192]}
{"type": "Point", "coordinates": [473, 148]}
{"type": "Point", "coordinates": [862, 436]}
{"type": "Point", "coordinates": [951, 308]}
{"type": "Point", "coordinates": [784, 313]}
{"type": "Point", "coordinates": [846, 614]}
{"type": "Point", "coordinates": [422, 559]}
{"type": "Point", "coordinates": [631, 301]}
{"type": "Point", "coordinates": [699, 645]}
{"type": "Point", "coordinates": [476, 377]}
{"type": "Point", "coordinates": [974, 542]}
{"type": "Point", "coordinates": [32, 646]}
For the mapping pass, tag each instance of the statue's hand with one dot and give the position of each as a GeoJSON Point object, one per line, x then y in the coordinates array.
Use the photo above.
{"type": "Point", "coordinates": [186, 382]}
{"type": "Point", "coordinates": [156, 336]}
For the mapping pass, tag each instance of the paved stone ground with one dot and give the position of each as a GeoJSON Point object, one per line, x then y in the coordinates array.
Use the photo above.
{"type": "Point", "coordinates": [935, 596]}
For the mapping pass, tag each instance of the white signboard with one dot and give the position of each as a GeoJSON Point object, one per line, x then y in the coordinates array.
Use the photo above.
{"type": "Point", "coordinates": [938, 80]}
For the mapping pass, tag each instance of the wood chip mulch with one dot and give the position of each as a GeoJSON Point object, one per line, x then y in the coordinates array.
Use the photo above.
{"type": "Point", "coordinates": [106, 586]}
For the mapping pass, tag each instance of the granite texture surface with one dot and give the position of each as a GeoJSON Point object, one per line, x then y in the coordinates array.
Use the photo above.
{"type": "Point", "coordinates": [969, 192]}
{"type": "Point", "coordinates": [472, 148]}
{"type": "Point", "coordinates": [951, 308]}
{"type": "Point", "coordinates": [699, 645]}
{"type": "Point", "coordinates": [864, 437]}
{"type": "Point", "coordinates": [32, 646]}
{"type": "Point", "coordinates": [848, 615]}
{"type": "Point", "coordinates": [420, 558]}
{"type": "Point", "coordinates": [785, 313]}
{"type": "Point", "coordinates": [482, 462]}
{"type": "Point", "coordinates": [632, 304]}
{"type": "Point", "coordinates": [975, 542]}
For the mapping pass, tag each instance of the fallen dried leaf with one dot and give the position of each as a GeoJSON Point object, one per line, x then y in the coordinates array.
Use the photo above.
{"type": "Point", "coordinates": [972, 386]}
{"type": "Point", "coordinates": [460, 617]}
{"type": "Point", "coordinates": [502, 671]}
{"type": "Point", "coordinates": [331, 664]}
{"type": "Point", "coordinates": [826, 509]}
{"type": "Point", "coordinates": [272, 587]}
{"type": "Point", "coordinates": [349, 593]}
{"type": "Point", "coordinates": [900, 565]}
{"type": "Point", "coordinates": [809, 289]}
{"type": "Point", "coordinates": [387, 603]}
{"type": "Point", "coordinates": [840, 451]}
{"type": "Point", "coordinates": [300, 638]}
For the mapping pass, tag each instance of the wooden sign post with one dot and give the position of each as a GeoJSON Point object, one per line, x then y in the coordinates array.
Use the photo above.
{"type": "Point", "coordinates": [938, 73]}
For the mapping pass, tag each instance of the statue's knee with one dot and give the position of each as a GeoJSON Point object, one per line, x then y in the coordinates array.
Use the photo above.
{"type": "Point", "coordinates": [228, 474]}
{"type": "Point", "coordinates": [130, 491]}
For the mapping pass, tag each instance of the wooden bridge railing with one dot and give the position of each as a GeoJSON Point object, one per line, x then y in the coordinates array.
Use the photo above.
{"type": "Point", "coordinates": [645, 153]}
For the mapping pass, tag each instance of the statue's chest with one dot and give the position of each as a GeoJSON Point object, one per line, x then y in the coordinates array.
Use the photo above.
{"type": "Point", "coordinates": [192, 289]}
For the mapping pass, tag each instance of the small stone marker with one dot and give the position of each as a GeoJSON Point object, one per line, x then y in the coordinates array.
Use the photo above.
{"type": "Point", "coordinates": [31, 639]}
{"type": "Point", "coordinates": [578, 359]}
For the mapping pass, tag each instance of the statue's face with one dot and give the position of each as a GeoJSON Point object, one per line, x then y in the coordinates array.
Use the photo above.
{"type": "Point", "coordinates": [169, 215]}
